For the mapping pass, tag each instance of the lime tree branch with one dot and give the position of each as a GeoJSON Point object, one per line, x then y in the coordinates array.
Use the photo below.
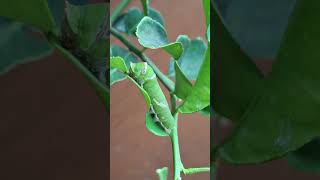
{"type": "Point", "coordinates": [164, 79]}
{"type": "Point", "coordinates": [99, 87]}
{"type": "Point", "coordinates": [196, 170]}
{"type": "Point", "coordinates": [118, 10]}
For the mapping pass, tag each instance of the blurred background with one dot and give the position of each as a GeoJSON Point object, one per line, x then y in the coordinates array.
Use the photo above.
{"type": "Point", "coordinates": [258, 27]}
{"type": "Point", "coordinates": [135, 152]}
{"type": "Point", "coordinates": [52, 124]}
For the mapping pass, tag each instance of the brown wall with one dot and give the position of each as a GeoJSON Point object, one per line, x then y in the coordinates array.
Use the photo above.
{"type": "Point", "coordinates": [52, 125]}
{"type": "Point", "coordinates": [135, 152]}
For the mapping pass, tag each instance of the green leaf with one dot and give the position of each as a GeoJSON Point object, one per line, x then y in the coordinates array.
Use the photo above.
{"type": "Point", "coordinates": [162, 173]}
{"type": "Point", "coordinates": [199, 98]}
{"type": "Point", "coordinates": [145, 5]}
{"type": "Point", "coordinates": [306, 158]}
{"type": "Point", "coordinates": [132, 19]}
{"type": "Point", "coordinates": [116, 76]}
{"type": "Point", "coordinates": [115, 51]}
{"type": "Point", "coordinates": [153, 127]}
{"type": "Point", "coordinates": [86, 21]}
{"type": "Point", "coordinates": [191, 58]}
{"type": "Point", "coordinates": [18, 44]}
{"type": "Point", "coordinates": [32, 12]}
{"type": "Point", "coordinates": [156, 15]}
{"type": "Point", "coordinates": [151, 34]}
{"type": "Point", "coordinates": [127, 22]}
{"type": "Point", "coordinates": [286, 114]}
{"type": "Point", "coordinates": [98, 54]}
{"type": "Point", "coordinates": [182, 87]}
{"type": "Point", "coordinates": [144, 93]}
{"type": "Point", "coordinates": [236, 79]}
{"type": "Point", "coordinates": [118, 63]}
{"type": "Point", "coordinates": [206, 10]}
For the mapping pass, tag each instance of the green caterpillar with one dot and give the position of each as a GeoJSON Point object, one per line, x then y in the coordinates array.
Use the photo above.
{"type": "Point", "coordinates": [143, 74]}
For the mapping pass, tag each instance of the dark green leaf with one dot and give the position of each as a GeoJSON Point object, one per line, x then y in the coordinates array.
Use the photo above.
{"type": "Point", "coordinates": [199, 98]}
{"type": "Point", "coordinates": [206, 111]}
{"type": "Point", "coordinates": [182, 87]}
{"type": "Point", "coordinates": [306, 158]}
{"type": "Point", "coordinates": [32, 12]}
{"type": "Point", "coordinates": [153, 127]}
{"type": "Point", "coordinates": [236, 79]}
{"type": "Point", "coordinates": [86, 21]}
{"type": "Point", "coordinates": [191, 58]}
{"type": "Point", "coordinates": [286, 114]}
{"type": "Point", "coordinates": [18, 45]}
{"type": "Point", "coordinates": [257, 26]}
{"type": "Point", "coordinates": [162, 173]}
{"type": "Point", "coordinates": [152, 34]}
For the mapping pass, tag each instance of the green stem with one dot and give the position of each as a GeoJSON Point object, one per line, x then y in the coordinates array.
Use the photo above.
{"type": "Point", "coordinates": [164, 79]}
{"type": "Point", "coordinates": [102, 90]}
{"type": "Point", "coordinates": [173, 100]}
{"type": "Point", "coordinates": [196, 170]}
{"type": "Point", "coordinates": [177, 163]}
{"type": "Point", "coordinates": [118, 10]}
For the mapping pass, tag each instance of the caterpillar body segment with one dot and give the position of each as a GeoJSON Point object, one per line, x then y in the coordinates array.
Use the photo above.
{"type": "Point", "coordinates": [144, 75]}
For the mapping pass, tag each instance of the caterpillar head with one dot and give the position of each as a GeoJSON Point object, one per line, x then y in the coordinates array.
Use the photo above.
{"type": "Point", "coordinates": [141, 72]}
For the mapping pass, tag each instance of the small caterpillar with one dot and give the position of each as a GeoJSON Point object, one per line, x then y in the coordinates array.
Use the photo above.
{"type": "Point", "coordinates": [143, 74]}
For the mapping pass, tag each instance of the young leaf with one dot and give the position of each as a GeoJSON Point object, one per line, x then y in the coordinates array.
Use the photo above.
{"type": "Point", "coordinates": [32, 12]}
{"type": "Point", "coordinates": [199, 98]}
{"type": "Point", "coordinates": [118, 63]}
{"type": "Point", "coordinates": [191, 58]}
{"type": "Point", "coordinates": [151, 34]}
{"type": "Point", "coordinates": [286, 114]}
{"type": "Point", "coordinates": [236, 79]}
{"type": "Point", "coordinates": [18, 45]}
{"type": "Point", "coordinates": [145, 5]}
{"type": "Point", "coordinates": [182, 87]}
{"type": "Point", "coordinates": [153, 127]}
{"type": "Point", "coordinates": [86, 21]}
{"type": "Point", "coordinates": [162, 173]}
{"type": "Point", "coordinates": [116, 76]}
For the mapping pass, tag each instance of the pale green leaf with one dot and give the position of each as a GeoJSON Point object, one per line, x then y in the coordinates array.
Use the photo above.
{"type": "Point", "coordinates": [151, 34]}
{"type": "Point", "coordinates": [191, 58]}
